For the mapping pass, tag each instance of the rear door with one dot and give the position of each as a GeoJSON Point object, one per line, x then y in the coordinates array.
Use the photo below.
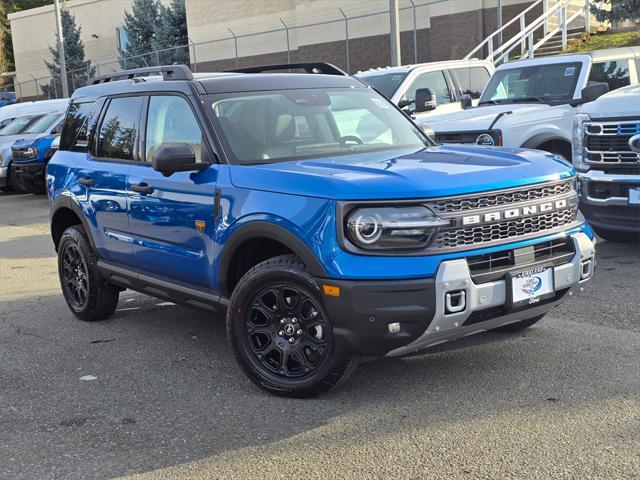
{"type": "Point", "coordinates": [172, 218]}
{"type": "Point", "coordinates": [105, 178]}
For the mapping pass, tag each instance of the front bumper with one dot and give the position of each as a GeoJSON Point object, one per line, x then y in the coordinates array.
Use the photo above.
{"type": "Point", "coordinates": [31, 172]}
{"type": "Point", "coordinates": [604, 200]}
{"type": "Point", "coordinates": [361, 314]}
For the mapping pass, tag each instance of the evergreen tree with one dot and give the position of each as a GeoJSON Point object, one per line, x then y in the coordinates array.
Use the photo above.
{"type": "Point", "coordinates": [617, 11]}
{"type": "Point", "coordinates": [140, 25]}
{"type": "Point", "coordinates": [79, 70]}
{"type": "Point", "coordinates": [171, 32]}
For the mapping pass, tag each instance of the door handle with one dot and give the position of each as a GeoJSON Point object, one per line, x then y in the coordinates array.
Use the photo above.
{"type": "Point", "coordinates": [142, 188]}
{"type": "Point", "coordinates": [88, 181]}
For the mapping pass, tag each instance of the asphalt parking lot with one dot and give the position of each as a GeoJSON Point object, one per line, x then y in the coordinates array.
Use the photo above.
{"type": "Point", "coordinates": [155, 392]}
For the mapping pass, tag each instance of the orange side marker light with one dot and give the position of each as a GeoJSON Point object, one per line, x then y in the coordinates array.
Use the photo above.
{"type": "Point", "coordinates": [331, 291]}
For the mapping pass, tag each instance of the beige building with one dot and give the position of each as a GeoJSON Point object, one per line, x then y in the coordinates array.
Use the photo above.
{"type": "Point", "coordinates": [268, 31]}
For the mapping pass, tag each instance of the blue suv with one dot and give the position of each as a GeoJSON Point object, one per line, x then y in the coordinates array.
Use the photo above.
{"type": "Point", "coordinates": [311, 210]}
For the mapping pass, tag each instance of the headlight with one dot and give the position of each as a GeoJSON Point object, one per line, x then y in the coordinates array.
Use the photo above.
{"type": "Point", "coordinates": [577, 144]}
{"type": "Point", "coordinates": [485, 139]}
{"type": "Point", "coordinates": [397, 228]}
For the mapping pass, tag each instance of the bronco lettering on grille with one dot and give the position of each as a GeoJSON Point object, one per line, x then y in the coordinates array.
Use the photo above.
{"type": "Point", "coordinates": [515, 213]}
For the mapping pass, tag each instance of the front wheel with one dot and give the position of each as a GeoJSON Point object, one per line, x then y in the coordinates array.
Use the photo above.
{"type": "Point", "coordinates": [281, 334]}
{"type": "Point", "coordinates": [521, 325]}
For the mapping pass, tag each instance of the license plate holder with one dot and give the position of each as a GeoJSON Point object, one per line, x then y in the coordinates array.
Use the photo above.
{"type": "Point", "coordinates": [530, 286]}
{"type": "Point", "coordinates": [634, 196]}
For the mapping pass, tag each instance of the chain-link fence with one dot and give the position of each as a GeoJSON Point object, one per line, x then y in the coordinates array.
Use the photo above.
{"type": "Point", "coordinates": [430, 30]}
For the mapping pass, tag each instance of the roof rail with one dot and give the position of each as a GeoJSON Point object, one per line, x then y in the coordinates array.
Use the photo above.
{"type": "Point", "coordinates": [323, 68]}
{"type": "Point", "coordinates": [170, 72]}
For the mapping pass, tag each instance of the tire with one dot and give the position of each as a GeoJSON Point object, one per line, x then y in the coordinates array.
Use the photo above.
{"type": "Point", "coordinates": [87, 294]}
{"type": "Point", "coordinates": [517, 326]}
{"type": "Point", "coordinates": [15, 182]}
{"type": "Point", "coordinates": [616, 236]}
{"type": "Point", "coordinates": [280, 332]}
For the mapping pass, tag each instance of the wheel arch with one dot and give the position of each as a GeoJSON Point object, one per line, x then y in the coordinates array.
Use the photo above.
{"type": "Point", "coordinates": [272, 238]}
{"type": "Point", "coordinates": [64, 214]}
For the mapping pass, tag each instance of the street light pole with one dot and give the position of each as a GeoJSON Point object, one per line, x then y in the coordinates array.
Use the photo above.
{"type": "Point", "coordinates": [394, 32]}
{"type": "Point", "coordinates": [63, 62]}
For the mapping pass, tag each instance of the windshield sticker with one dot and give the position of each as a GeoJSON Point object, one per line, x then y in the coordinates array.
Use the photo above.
{"type": "Point", "coordinates": [381, 103]}
{"type": "Point", "coordinates": [569, 71]}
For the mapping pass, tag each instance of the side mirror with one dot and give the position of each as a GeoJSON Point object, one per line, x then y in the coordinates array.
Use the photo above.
{"type": "Point", "coordinates": [466, 101]}
{"type": "Point", "coordinates": [424, 100]}
{"type": "Point", "coordinates": [404, 103]}
{"type": "Point", "coordinates": [170, 158]}
{"type": "Point", "coordinates": [593, 91]}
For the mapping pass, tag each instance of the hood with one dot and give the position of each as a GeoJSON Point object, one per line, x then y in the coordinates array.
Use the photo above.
{"type": "Point", "coordinates": [617, 103]}
{"type": "Point", "coordinates": [477, 118]}
{"type": "Point", "coordinates": [424, 173]}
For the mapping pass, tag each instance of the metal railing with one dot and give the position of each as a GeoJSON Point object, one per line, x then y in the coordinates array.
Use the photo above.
{"type": "Point", "coordinates": [524, 38]}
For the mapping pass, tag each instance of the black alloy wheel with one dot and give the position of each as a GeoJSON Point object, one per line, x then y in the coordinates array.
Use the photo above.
{"type": "Point", "coordinates": [287, 331]}
{"type": "Point", "coordinates": [75, 277]}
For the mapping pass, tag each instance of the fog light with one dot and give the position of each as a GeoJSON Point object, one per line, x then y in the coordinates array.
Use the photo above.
{"type": "Point", "coordinates": [585, 269]}
{"type": "Point", "coordinates": [394, 327]}
{"type": "Point", "coordinates": [455, 301]}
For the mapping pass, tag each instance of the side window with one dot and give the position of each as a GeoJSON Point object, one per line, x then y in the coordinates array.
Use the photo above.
{"type": "Point", "coordinates": [171, 120]}
{"type": "Point", "coordinates": [75, 123]}
{"type": "Point", "coordinates": [117, 134]}
{"type": "Point", "coordinates": [615, 74]}
{"type": "Point", "coordinates": [435, 82]}
{"type": "Point", "coordinates": [471, 80]}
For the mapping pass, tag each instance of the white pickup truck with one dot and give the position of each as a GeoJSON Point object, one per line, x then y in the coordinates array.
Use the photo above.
{"type": "Point", "coordinates": [531, 103]}
{"type": "Point", "coordinates": [606, 154]}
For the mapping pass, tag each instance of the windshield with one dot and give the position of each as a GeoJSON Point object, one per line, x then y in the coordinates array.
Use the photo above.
{"type": "Point", "coordinates": [385, 83]}
{"type": "Point", "coordinates": [264, 127]}
{"type": "Point", "coordinates": [43, 124]}
{"type": "Point", "coordinates": [550, 83]}
{"type": "Point", "coordinates": [19, 125]}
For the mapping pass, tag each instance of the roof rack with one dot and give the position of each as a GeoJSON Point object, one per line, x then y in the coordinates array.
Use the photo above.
{"type": "Point", "coordinates": [170, 72]}
{"type": "Point", "coordinates": [323, 68]}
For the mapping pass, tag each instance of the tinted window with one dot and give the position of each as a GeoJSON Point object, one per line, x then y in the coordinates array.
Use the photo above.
{"type": "Point", "coordinates": [615, 74]}
{"type": "Point", "coordinates": [435, 82]}
{"type": "Point", "coordinates": [385, 83]}
{"type": "Point", "coordinates": [43, 123]}
{"type": "Point", "coordinates": [554, 82]}
{"type": "Point", "coordinates": [117, 135]}
{"type": "Point", "coordinates": [74, 126]}
{"type": "Point", "coordinates": [171, 120]}
{"type": "Point", "coordinates": [471, 80]}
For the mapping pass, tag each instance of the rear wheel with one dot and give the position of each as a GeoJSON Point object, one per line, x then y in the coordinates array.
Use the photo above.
{"type": "Point", "coordinates": [616, 236]}
{"type": "Point", "coordinates": [281, 334]}
{"type": "Point", "coordinates": [87, 294]}
{"type": "Point", "coordinates": [521, 325]}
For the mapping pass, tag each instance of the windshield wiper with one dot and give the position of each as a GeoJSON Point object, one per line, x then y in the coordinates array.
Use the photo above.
{"type": "Point", "coordinates": [489, 102]}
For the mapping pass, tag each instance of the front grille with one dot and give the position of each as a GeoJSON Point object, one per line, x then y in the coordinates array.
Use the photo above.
{"type": "Point", "coordinates": [496, 199]}
{"type": "Point", "coordinates": [604, 190]}
{"type": "Point", "coordinates": [506, 230]}
{"type": "Point", "coordinates": [493, 266]}
{"type": "Point", "coordinates": [19, 154]}
{"type": "Point", "coordinates": [608, 142]}
{"type": "Point", "coordinates": [454, 137]}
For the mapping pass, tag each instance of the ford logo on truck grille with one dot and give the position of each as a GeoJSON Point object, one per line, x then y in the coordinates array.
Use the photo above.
{"type": "Point", "coordinates": [634, 143]}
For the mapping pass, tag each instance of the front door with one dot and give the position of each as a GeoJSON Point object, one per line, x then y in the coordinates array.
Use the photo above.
{"type": "Point", "coordinates": [171, 219]}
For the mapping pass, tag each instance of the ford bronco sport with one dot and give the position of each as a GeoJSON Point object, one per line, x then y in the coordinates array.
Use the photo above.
{"type": "Point", "coordinates": [313, 211]}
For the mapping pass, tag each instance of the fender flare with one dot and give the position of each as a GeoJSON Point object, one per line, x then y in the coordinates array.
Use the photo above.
{"type": "Point", "coordinates": [262, 229]}
{"type": "Point", "coordinates": [540, 138]}
{"type": "Point", "coordinates": [66, 202]}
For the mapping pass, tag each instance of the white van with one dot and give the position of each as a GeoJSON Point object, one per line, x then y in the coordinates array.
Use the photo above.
{"type": "Point", "coordinates": [8, 113]}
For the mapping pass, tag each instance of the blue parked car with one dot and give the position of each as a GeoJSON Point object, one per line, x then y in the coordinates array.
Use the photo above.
{"type": "Point", "coordinates": [7, 98]}
{"type": "Point", "coordinates": [310, 209]}
{"type": "Point", "coordinates": [30, 156]}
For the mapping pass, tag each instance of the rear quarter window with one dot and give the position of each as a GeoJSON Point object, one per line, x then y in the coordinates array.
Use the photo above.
{"type": "Point", "coordinates": [75, 129]}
